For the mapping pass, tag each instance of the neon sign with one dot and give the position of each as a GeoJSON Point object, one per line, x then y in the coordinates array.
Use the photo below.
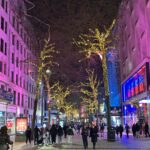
{"type": "Point", "coordinates": [136, 84]}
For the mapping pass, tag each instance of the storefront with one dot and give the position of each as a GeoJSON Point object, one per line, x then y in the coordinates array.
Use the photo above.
{"type": "Point", "coordinates": [136, 97]}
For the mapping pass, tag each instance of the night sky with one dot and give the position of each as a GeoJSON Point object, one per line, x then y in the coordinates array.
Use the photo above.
{"type": "Point", "coordinates": [68, 19]}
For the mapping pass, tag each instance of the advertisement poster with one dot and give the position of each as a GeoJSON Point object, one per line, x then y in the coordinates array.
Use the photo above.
{"type": "Point", "coordinates": [11, 123]}
{"type": "Point", "coordinates": [21, 125]}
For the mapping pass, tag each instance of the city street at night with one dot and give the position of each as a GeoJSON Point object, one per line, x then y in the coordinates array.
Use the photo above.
{"type": "Point", "coordinates": [74, 71]}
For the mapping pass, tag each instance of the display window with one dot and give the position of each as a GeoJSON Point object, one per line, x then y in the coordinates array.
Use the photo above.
{"type": "Point", "coordinates": [2, 118]}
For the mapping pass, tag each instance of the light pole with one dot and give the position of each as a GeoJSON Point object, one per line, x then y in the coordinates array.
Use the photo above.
{"type": "Point", "coordinates": [48, 72]}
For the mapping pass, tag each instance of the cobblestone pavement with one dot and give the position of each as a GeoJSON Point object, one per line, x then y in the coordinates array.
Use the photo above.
{"type": "Point", "coordinates": [102, 144]}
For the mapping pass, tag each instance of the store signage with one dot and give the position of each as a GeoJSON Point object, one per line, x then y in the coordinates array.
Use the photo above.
{"type": "Point", "coordinates": [136, 84]}
{"type": "Point", "coordinates": [21, 125]}
{"type": "Point", "coordinates": [5, 95]}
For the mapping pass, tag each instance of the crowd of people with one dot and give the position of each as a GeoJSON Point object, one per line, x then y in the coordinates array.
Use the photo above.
{"type": "Point", "coordinates": [138, 130]}
{"type": "Point", "coordinates": [54, 133]}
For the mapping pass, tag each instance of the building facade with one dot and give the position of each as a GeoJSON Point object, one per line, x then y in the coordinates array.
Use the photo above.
{"type": "Point", "coordinates": [17, 77]}
{"type": "Point", "coordinates": [133, 31]}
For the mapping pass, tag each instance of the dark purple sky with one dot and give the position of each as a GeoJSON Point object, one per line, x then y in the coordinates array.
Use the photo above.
{"type": "Point", "coordinates": [69, 18]}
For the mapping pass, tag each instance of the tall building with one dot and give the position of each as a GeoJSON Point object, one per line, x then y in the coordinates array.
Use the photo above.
{"type": "Point", "coordinates": [17, 78]}
{"type": "Point", "coordinates": [133, 31]}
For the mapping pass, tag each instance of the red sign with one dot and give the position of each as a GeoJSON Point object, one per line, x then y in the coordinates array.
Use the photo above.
{"type": "Point", "coordinates": [21, 125]}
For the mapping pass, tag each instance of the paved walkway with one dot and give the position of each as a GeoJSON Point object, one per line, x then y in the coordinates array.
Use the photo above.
{"type": "Point", "coordinates": [102, 144]}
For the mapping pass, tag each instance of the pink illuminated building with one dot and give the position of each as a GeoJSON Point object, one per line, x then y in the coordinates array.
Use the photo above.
{"type": "Point", "coordinates": [133, 29]}
{"type": "Point", "coordinates": [17, 78]}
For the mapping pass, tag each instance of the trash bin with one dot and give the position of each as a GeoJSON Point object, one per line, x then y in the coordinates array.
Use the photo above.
{"type": "Point", "coordinates": [111, 134]}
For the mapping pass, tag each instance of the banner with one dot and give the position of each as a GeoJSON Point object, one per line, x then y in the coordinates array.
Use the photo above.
{"type": "Point", "coordinates": [21, 125]}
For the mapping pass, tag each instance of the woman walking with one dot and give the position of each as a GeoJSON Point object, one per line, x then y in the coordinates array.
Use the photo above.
{"type": "Point", "coordinates": [94, 134]}
{"type": "Point", "coordinates": [60, 134]}
{"type": "Point", "coordinates": [84, 134]}
{"type": "Point", "coordinates": [53, 132]}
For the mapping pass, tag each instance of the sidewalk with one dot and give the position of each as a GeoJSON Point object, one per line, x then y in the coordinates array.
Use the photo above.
{"type": "Point", "coordinates": [23, 146]}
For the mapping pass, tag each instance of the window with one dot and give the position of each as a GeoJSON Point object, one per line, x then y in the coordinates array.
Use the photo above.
{"type": "Point", "coordinates": [2, 23]}
{"type": "Point", "coordinates": [22, 100]}
{"type": "Point", "coordinates": [17, 44]}
{"type": "Point", "coordinates": [21, 49]}
{"type": "Point", "coordinates": [2, 45]}
{"type": "Point", "coordinates": [6, 27]}
{"type": "Point", "coordinates": [5, 49]}
{"type": "Point", "coordinates": [14, 97]}
{"type": "Point", "coordinates": [3, 3]}
{"type": "Point", "coordinates": [6, 8]}
{"type": "Point", "coordinates": [1, 66]}
{"type": "Point", "coordinates": [17, 62]}
{"type": "Point", "coordinates": [12, 76]}
{"type": "Point", "coordinates": [5, 69]}
{"type": "Point", "coordinates": [13, 21]}
{"type": "Point", "coordinates": [18, 99]}
{"type": "Point", "coordinates": [13, 58]}
{"type": "Point", "coordinates": [20, 81]}
{"type": "Point", "coordinates": [17, 79]}
{"type": "Point", "coordinates": [28, 102]}
{"type": "Point", "coordinates": [13, 39]}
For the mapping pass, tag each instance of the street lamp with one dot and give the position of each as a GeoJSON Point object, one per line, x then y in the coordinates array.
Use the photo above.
{"type": "Point", "coordinates": [48, 72]}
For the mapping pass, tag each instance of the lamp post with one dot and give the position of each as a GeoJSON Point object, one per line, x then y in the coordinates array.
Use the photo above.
{"type": "Point", "coordinates": [48, 72]}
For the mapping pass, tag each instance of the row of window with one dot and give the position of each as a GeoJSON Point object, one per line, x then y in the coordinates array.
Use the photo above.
{"type": "Point", "coordinates": [19, 100]}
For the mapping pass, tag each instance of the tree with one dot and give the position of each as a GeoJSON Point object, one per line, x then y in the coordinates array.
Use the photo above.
{"type": "Point", "coordinates": [44, 61]}
{"type": "Point", "coordinates": [90, 92]}
{"type": "Point", "coordinates": [99, 43]}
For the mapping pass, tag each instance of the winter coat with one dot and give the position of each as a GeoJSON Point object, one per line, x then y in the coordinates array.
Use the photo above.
{"type": "Point", "coordinates": [94, 134]}
{"type": "Point", "coordinates": [85, 131]}
{"type": "Point", "coordinates": [70, 131]}
{"type": "Point", "coordinates": [4, 141]}
{"type": "Point", "coordinates": [53, 130]}
{"type": "Point", "coordinates": [60, 131]}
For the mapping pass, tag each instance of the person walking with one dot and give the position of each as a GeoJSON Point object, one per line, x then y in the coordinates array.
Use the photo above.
{"type": "Point", "coordinates": [36, 135]}
{"type": "Point", "coordinates": [85, 133]}
{"type": "Point", "coordinates": [127, 128]}
{"type": "Point", "coordinates": [102, 127]}
{"type": "Point", "coordinates": [134, 130]}
{"type": "Point", "coordinates": [70, 134]}
{"type": "Point", "coordinates": [120, 130]}
{"type": "Point", "coordinates": [146, 128]}
{"type": "Point", "coordinates": [117, 130]}
{"type": "Point", "coordinates": [53, 132]}
{"type": "Point", "coordinates": [28, 133]}
{"type": "Point", "coordinates": [65, 130]}
{"type": "Point", "coordinates": [137, 128]}
{"type": "Point", "coordinates": [94, 134]}
{"type": "Point", "coordinates": [60, 134]}
{"type": "Point", "coordinates": [4, 139]}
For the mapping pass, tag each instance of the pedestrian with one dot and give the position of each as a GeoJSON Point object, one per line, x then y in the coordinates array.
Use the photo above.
{"type": "Point", "coordinates": [53, 132]}
{"type": "Point", "coordinates": [85, 133]}
{"type": "Point", "coordinates": [4, 139]}
{"type": "Point", "coordinates": [65, 130]}
{"type": "Point", "coordinates": [36, 135]}
{"type": "Point", "coordinates": [94, 134]}
{"type": "Point", "coordinates": [70, 134]}
{"type": "Point", "coordinates": [117, 130]}
{"type": "Point", "coordinates": [28, 133]}
{"type": "Point", "coordinates": [60, 134]}
{"type": "Point", "coordinates": [102, 127]}
{"type": "Point", "coordinates": [146, 130]}
{"type": "Point", "coordinates": [78, 129]}
{"type": "Point", "coordinates": [127, 128]}
{"type": "Point", "coordinates": [137, 128]}
{"type": "Point", "coordinates": [134, 130]}
{"type": "Point", "coordinates": [120, 130]}
{"type": "Point", "coordinates": [47, 136]}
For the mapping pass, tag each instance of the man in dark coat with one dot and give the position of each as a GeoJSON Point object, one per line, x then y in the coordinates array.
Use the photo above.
{"type": "Point", "coordinates": [65, 128]}
{"type": "Point", "coordinates": [36, 135]}
{"type": "Point", "coordinates": [85, 133]}
{"type": "Point", "coordinates": [60, 134]}
{"type": "Point", "coordinates": [146, 128]}
{"type": "Point", "coordinates": [28, 133]}
{"type": "Point", "coordinates": [120, 130]}
{"type": "Point", "coordinates": [94, 134]}
{"type": "Point", "coordinates": [127, 130]}
{"type": "Point", "coordinates": [134, 130]}
{"type": "Point", "coordinates": [53, 132]}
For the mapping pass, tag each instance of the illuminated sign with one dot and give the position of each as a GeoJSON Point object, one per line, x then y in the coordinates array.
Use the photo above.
{"type": "Point", "coordinates": [21, 125]}
{"type": "Point", "coordinates": [136, 84]}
